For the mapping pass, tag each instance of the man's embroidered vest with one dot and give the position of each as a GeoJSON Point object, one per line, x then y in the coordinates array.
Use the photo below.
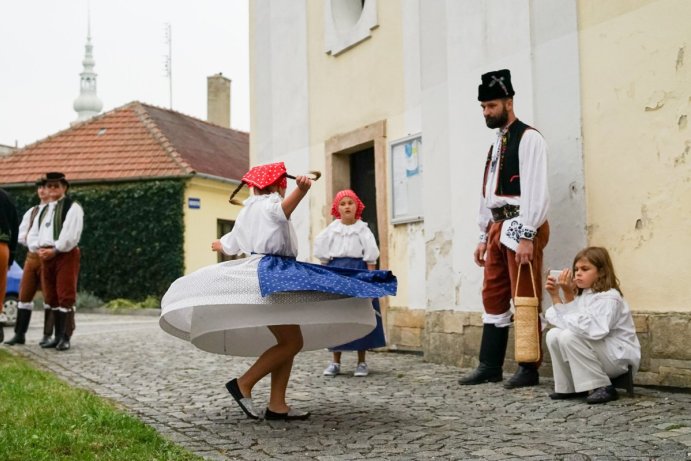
{"type": "Point", "coordinates": [509, 181]}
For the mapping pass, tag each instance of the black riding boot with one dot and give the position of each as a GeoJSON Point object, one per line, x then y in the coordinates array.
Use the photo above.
{"type": "Point", "coordinates": [20, 328]}
{"type": "Point", "coordinates": [60, 324]}
{"type": "Point", "coordinates": [48, 323]}
{"type": "Point", "coordinates": [492, 351]}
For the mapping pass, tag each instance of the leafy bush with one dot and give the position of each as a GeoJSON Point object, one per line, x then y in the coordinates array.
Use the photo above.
{"type": "Point", "coordinates": [86, 300]}
{"type": "Point", "coordinates": [132, 244]}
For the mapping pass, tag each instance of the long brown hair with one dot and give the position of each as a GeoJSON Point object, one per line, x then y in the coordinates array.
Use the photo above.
{"type": "Point", "coordinates": [606, 278]}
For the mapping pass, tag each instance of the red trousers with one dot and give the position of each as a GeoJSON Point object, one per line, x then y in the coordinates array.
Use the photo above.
{"type": "Point", "coordinates": [4, 267]}
{"type": "Point", "coordinates": [501, 271]}
{"type": "Point", "coordinates": [31, 278]}
{"type": "Point", "coordinates": [59, 280]}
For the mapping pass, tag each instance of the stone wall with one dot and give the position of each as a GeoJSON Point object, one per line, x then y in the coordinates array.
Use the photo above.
{"type": "Point", "coordinates": [453, 338]}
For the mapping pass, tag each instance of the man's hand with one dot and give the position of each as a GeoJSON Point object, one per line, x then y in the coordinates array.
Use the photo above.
{"type": "Point", "coordinates": [524, 252]}
{"type": "Point", "coordinates": [479, 254]}
{"type": "Point", "coordinates": [46, 254]}
{"type": "Point", "coordinates": [216, 246]}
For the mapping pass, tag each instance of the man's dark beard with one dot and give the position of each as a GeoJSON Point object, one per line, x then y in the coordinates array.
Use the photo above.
{"type": "Point", "coordinates": [499, 121]}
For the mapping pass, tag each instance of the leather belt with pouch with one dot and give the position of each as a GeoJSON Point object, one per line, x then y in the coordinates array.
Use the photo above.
{"type": "Point", "coordinates": [504, 213]}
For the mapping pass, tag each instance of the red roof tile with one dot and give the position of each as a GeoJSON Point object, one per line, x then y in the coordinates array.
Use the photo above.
{"type": "Point", "coordinates": [134, 141]}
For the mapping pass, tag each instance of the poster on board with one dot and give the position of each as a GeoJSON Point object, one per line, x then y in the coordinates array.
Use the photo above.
{"type": "Point", "coordinates": [406, 181]}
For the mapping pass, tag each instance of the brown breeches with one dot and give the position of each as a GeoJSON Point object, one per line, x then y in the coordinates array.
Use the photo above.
{"type": "Point", "coordinates": [59, 280]}
{"type": "Point", "coordinates": [501, 271]}
{"type": "Point", "coordinates": [31, 278]}
{"type": "Point", "coordinates": [4, 266]}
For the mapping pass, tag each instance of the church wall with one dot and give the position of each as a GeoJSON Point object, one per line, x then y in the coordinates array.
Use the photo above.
{"type": "Point", "coordinates": [636, 80]}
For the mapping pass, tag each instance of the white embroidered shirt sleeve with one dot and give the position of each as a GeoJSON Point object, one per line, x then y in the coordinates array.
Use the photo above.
{"type": "Point", "coordinates": [71, 230]}
{"type": "Point", "coordinates": [534, 200]}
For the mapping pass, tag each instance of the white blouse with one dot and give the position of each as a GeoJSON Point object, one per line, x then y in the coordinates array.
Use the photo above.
{"type": "Point", "coordinates": [24, 225]}
{"type": "Point", "coordinates": [41, 234]}
{"type": "Point", "coordinates": [339, 240]}
{"type": "Point", "coordinates": [262, 228]}
{"type": "Point", "coordinates": [534, 198]}
{"type": "Point", "coordinates": [603, 316]}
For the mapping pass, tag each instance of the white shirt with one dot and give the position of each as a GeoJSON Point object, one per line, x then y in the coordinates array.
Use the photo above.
{"type": "Point", "coordinates": [262, 228]}
{"type": "Point", "coordinates": [339, 240]}
{"type": "Point", "coordinates": [534, 198]}
{"type": "Point", "coordinates": [41, 234]}
{"type": "Point", "coordinates": [24, 225]}
{"type": "Point", "coordinates": [603, 316]}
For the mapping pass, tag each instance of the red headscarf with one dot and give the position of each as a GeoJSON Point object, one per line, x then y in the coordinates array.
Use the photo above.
{"type": "Point", "coordinates": [262, 176]}
{"type": "Point", "coordinates": [347, 193]}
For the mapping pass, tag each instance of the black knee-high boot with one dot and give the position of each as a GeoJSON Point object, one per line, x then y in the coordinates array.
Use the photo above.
{"type": "Point", "coordinates": [20, 328]}
{"type": "Point", "coordinates": [64, 343]}
{"type": "Point", "coordinates": [60, 323]}
{"type": "Point", "coordinates": [48, 323]}
{"type": "Point", "coordinates": [492, 352]}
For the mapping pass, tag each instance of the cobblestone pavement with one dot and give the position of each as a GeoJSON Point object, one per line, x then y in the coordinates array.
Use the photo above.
{"type": "Point", "coordinates": [406, 409]}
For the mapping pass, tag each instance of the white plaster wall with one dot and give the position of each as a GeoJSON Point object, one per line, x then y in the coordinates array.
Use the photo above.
{"type": "Point", "coordinates": [416, 283]}
{"type": "Point", "coordinates": [460, 40]}
{"type": "Point", "coordinates": [280, 110]}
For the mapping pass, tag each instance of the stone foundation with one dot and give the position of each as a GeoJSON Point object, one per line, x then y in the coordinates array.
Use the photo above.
{"type": "Point", "coordinates": [453, 338]}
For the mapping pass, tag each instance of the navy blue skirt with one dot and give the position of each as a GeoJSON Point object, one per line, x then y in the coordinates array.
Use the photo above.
{"type": "Point", "coordinates": [376, 337]}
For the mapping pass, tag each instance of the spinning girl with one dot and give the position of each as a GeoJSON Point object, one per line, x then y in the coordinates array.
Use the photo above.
{"type": "Point", "coordinates": [268, 304]}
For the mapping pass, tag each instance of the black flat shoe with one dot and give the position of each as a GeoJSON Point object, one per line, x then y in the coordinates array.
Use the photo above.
{"type": "Point", "coordinates": [292, 415]}
{"type": "Point", "coordinates": [245, 403]}
{"type": "Point", "coordinates": [567, 395]}
{"type": "Point", "coordinates": [602, 395]}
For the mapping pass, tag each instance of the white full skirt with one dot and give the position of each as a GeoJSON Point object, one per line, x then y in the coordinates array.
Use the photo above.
{"type": "Point", "coordinates": [219, 309]}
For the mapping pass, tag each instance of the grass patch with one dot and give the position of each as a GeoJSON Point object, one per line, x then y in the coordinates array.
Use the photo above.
{"type": "Point", "coordinates": [43, 418]}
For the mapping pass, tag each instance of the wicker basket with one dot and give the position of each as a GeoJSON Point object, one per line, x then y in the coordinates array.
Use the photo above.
{"type": "Point", "coordinates": [526, 323]}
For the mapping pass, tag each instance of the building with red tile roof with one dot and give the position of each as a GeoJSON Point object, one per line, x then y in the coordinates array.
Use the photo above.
{"type": "Point", "coordinates": [133, 142]}
{"type": "Point", "coordinates": [136, 148]}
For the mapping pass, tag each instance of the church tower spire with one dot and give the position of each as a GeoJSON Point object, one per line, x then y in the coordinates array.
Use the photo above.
{"type": "Point", "coordinates": [87, 103]}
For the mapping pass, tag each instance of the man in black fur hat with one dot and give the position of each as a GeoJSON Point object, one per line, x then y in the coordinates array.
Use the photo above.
{"type": "Point", "coordinates": [513, 227]}
{"type": "Point", "coordinates": [55, 236]}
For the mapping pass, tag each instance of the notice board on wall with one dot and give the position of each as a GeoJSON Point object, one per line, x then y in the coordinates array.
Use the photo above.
{"type": "Point", "coordinates": [406, 179]}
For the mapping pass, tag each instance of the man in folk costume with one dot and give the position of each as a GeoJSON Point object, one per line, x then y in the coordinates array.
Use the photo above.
{"type": "Point", "coordinates": [513, 226]}
{"type": "Point", "coordinates": [9, 224]}
{"type": "Point", "coordinates": [55, 236]}
{"type": "Point", "coordinates": [31, 275]}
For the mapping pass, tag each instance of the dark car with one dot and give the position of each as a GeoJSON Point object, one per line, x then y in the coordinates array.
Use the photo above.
{"type": "Point", "coordinates": [9, 311]}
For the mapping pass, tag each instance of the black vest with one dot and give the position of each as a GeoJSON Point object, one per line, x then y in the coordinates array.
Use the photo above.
{"type": "Point", "coordinates": [509, 182]}
{"type": "Point", "coordinates": [61, 209]}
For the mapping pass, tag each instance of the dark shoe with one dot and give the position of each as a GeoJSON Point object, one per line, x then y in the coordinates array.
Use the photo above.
{"type": "Point", "coordinates": [64, 344]}
{"type": "Point", "coordinates": [566, 395]}
{"type": "Point", "coordinates": [52, 343]}
{"type": "Point", "coordinates": [482, 374]}
{"type": "Point", "coordinates": [18, 338]}
{"type": "Point", "coordinates": [525, 376]}
{"type": "Point", "coordinates": [602, 395]}
{"type": "Point", "coordinates": [44, 340]}
{"type": "Point", "coordinates": [245, 403]}
{"type": "Point", "coordinates": [292, 415]}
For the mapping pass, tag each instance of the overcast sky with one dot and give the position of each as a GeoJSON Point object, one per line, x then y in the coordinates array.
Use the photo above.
{"type": "Point", "coordinates": [42, 47]}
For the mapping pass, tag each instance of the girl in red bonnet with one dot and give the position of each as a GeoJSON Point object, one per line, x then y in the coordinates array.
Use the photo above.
{"type": "Point", "coordinates": [349, 242]}
{"type": "Point", "coordinates": [269, 305]}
